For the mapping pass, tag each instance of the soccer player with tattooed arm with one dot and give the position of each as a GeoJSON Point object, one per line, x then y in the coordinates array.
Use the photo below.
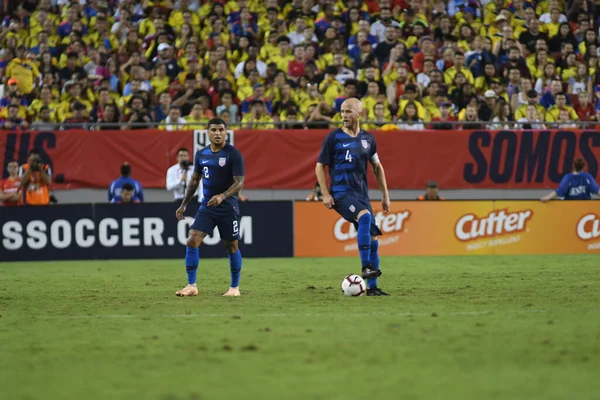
{"type": "Point", "coordinates": [347, 151]}
{"type": "Point", "coordinates": [221, 167]}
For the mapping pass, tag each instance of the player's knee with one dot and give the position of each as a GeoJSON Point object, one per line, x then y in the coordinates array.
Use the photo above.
{"type": "Point", "coordinates": [361, 213]}
{"type": "Point", "coordinates": [231, 246]}
{"type": "Point", "coordinates": [195, 238]}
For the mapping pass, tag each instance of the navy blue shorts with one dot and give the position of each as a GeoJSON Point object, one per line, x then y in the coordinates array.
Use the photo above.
{"type": "Point", "coordinates": [349, 206]}
{"type": "Point", "coordinates": [226, 218]}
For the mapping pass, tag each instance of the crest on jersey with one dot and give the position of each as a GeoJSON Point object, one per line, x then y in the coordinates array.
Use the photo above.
{"type": "Point", "coordinates": [222, 161]}
{"type": "Point", "coordinates": [352, 208]}
{"type": "Point", "coordinates": [365, 144]}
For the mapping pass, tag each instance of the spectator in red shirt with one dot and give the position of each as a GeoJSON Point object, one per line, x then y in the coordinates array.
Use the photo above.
{"type": "Point", "coordinates": [427, 51]}
{"type": "Point", "coordinates": [296, 66]}
{"type": "Point", "coordinates": [585, 109]}
{"type": "Point", "coordinates": [9, 187]}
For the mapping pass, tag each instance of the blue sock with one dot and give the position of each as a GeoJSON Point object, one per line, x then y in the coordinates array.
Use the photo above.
{"type": "Point", "coordinates": [192, 259]}
{"type": "Point", "coordinates": [235, 265]}
{"type": "Point", "coordinates": [372, 282]}
{"type": "Point", "coordinates": [364, 238]}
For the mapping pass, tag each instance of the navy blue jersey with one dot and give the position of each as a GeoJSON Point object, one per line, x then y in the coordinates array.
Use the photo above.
{"type": "Point", "coordinates": [348, 158]}
{"type": "Point", "coordinates": [577, 186]}
{"type": "Point", "coordinates": [217, 171]}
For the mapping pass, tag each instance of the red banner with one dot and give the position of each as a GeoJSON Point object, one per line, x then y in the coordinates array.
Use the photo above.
{"type": "Point", "coordinates": [285, 159]}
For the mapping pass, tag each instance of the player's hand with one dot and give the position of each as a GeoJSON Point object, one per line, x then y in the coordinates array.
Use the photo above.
{"type": "Point", "coordinates": [179, 213]}
{"type": "Point", "coordinates": [328, 201]}
{"type": "Point", "coordinates": [385, 204]}
{"type": "Point", "coordinates": [216, 200]}
{"type": "Point", "coordinates": [545, 199]}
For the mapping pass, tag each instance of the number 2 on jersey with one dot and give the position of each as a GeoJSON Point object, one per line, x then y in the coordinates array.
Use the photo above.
{"type": "Point", "coordinates": [348, 156]}
{"type": "Point", "coordinates": [205, 172]}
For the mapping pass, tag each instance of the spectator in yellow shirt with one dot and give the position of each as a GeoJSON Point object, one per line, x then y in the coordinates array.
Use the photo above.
{"type": "Point", "coordinates": [196, 119]}
{"type": "Point", "coordinates": [45, 100]}
{"type": "Point", "coordinates": [284, 57]}
{"type": "Point", "coordinates": [257, 117]}
{"type": "Point", "coordinates": [160, 82]}
{"type": "Point", "coordinates": [410, 96]}
{"type": "Point", "coordinates": [331, 88]}
{"type": "Point", "coordinates": [560, 103]}
{"type": "Point", "coordinates": [459, 66]}
{"type": "Point", "coordinates": [370, 99]}
{"type": "Point", "coordinates": [23, 70]}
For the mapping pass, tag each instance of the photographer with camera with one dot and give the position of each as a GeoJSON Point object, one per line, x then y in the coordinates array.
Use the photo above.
{"type": "Point", "coordinates": [179, 175]}
{"type": "Point", "coordinates": [36, 179]}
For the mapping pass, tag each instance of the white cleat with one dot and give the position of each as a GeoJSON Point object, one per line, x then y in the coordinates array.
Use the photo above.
{"type": "Point", "coordinates": [188, 291]}
{"type": "Point", "coordinates": [232, 292]}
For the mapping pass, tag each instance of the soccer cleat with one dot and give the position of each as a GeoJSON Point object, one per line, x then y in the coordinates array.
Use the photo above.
{"type": "Point", "coordinates": [187, 291]}
{"type": "Point", "coordinates": [369, 272]}
{"type": "Point", "coordinates": [232, 292]}
{"type": "Point", "coordinates": [376, 292]}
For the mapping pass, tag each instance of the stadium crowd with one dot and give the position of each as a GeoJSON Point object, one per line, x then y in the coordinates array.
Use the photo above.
{"type": "Point", "coordinates": [134, 64]}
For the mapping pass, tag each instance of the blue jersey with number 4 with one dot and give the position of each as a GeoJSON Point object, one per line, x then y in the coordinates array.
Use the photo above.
{"type": "Point", "coordinates": [217, 171]}
{"type": "Point", "coordinates": [577, 186]}
{"type": "Point", "coordinates": [348, 158]}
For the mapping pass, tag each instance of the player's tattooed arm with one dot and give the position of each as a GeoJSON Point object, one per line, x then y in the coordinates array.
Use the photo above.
{"type": "Point", "coordinates": [191, 189]}
{"type": "Point", "coordinates": [238, 184]}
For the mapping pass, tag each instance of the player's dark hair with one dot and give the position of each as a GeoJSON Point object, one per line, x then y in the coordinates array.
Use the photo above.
{"type": "Point", "coordinates": [224, 92]}
{"type": "Point", "coordinates": [128, 186]}
{"type": "Point", "coordinates": [216, 121]}
{"type": "Point", "coordinates": [579, 164]}
{"type": "Point", "coordinates": [182, 149]}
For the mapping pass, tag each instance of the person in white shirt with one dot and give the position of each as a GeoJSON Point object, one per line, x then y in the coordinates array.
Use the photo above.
{"type": "Point", "coordinates": [173, 122]}
{"type": "Point", "coordinates": [297, 36]}
{"type": "Point", "coordinates": [410, 121]}
{"type": "Point", "coordinates": [546, 18]}
{"type": "Point", "coordinates": [179, 175]}
{"type": "Point", "coordinates": [385, 20]}
{"type": "Point", "coordinates": [260, 65]}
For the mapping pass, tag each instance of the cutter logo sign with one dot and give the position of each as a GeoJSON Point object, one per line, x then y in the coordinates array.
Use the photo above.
{"type": "Point", "coordinates": [497, 222]}
{"type": "Point", "coordinates": [588, 227]}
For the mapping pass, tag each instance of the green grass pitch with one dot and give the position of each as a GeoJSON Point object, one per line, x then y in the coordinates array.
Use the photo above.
{"type": "Point", "coordinates": [464, 328]}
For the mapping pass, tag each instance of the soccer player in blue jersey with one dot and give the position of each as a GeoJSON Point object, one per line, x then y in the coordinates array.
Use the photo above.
{"type": "Point", "coordinates": [347, 152]}
{"type": "Point", "coordinates": [576, 185]}
{"type": "Point", "coordinates": [221, 166]}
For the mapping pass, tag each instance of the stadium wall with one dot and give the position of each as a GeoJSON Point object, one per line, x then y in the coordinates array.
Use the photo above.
{"type": "Point", "coordinates": [302, 229]}
{"type": "Point", "coordinates": [285, 159]}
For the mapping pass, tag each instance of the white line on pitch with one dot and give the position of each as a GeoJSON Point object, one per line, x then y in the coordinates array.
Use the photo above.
{"type": "Point", "coordinates": [291, 315]}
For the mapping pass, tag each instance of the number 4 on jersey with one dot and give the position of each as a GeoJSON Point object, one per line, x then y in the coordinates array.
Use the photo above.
{"type": "Point", "coordinates": [348, 156]}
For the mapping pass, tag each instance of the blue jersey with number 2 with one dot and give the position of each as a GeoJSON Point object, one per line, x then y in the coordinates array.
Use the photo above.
{"type": "Point", "coordinates": [348, 158]}
{"type": "Point", "coordinates": [577, 186]}
{"type": "Point", "coordinates": [217, 171]}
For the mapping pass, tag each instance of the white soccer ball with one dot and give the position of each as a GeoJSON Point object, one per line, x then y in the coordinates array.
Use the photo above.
{"type": "Point", "coordinates": [354, 285]}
